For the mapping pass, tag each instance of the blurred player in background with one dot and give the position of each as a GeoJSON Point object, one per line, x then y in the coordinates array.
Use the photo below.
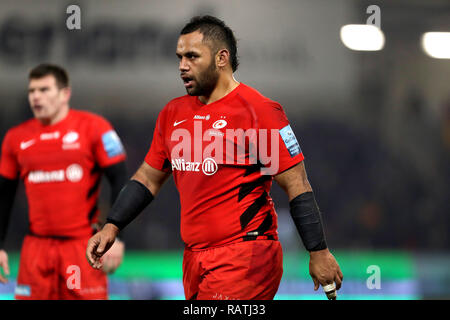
{"type": "Point", "coordinates": [228, 220]}
{"type": "Point", "coordinates": [60, 155]}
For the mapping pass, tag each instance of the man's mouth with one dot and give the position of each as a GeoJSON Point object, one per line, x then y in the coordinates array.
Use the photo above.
{"type": "Point", "coordinates": [37, 107]}
{"type": "Point", "coordinates": [188, 81]}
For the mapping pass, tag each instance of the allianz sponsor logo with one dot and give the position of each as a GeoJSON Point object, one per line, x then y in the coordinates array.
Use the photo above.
{"type": "Point", "coordinates": [236, 145]}
{"type": "Point", "coordinates": [199, 117]}
{"type": "Point", "coordinates": [46, 176]}
{"type": "Point", "coordinates": [73, 173]}
{"type": "Point", "coordinates": [208, 166]}
{"type": "Point", "coordinates": [50, 135]}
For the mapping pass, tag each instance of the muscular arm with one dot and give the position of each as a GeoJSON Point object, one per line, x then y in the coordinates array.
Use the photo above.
{"type": "Point", "coordinates": [323, 267]}
{"type": "Point", "coordinates": [294, 181]}
{"type": "Point", "coordinates": [150, 177]}
{"type": "Point", "coordinates": [303, 207]}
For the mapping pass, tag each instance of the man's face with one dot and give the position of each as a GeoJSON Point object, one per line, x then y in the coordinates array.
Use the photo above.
{"type": "Point", "coordinates": [197, 64]}
{"type": "Point", "coordinates": [46, 99]}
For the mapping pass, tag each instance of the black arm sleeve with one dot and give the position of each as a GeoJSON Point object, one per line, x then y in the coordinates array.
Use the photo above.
{"type": "Point", "coordinates": [307, 218]}
{"type": "Point", "coordinates": [117, 177]}
{"type": "Point", "coordinates": [132, 199]}
{"type": "Point", "coordinates": [8, 190]}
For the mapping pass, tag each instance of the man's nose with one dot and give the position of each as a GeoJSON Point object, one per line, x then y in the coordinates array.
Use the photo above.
{"type": "Point", "coordinates": [35, 95]}
{"type": "Point", "coordinates": [184, 66]}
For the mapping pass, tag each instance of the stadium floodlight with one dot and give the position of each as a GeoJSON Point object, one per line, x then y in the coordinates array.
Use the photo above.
{"type": "Point", "coordinates": [362, 37]}
{"type": "Point", "coordinates": [436, 44]}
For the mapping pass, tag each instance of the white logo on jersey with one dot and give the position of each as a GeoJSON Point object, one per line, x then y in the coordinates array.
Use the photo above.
{"type": "Point", "coordinates": [70, 140]}
{"type": "Point", "coordinates": [198, 117]}
{"type": "Point", "coordinates": [182, 165]}
{"type": "Point", "coordinates": [74, 173]}
{"type": "Point", "coordinates": [214, 133]}
{"type": "Point", "coordinates": [236, 145]}
{"type": "Point", "coordinates": [219, 124]}
{"type": "Point", "coordinates": [49, 135]}
{"type": "Point", "coordinates": [179, 122]}
{"type": "Point", "coordinates": [70, 137]}
{"type": "Point", "coordinates": [46, 176]}
{"type": "Point", "coordinates": [25, 144]}
{"type": "Point", "coordinates": [209, 166]}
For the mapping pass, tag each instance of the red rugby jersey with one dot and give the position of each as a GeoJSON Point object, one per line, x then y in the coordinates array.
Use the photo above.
{"type": "Point", "coordinates": [216, 152]}
{"type": "Point", "coordinates": [61, 165]}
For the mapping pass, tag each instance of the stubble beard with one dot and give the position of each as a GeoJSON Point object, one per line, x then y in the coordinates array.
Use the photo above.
{"type": "Point", "coordinates": [206, 82]}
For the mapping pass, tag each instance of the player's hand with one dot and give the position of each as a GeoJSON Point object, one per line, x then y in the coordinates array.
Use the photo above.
{"type": "Point", "coordinates": [100, 243]}
{"type": "Point", "coordinates": [4, 265]}
{"type": "Point", "coordinates": [324, 269]}
{"type": "Point", "coordinates": [113, 258]}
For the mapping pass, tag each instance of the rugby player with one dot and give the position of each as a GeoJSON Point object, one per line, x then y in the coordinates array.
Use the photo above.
{"type": "Point", "coordinates": [60, 155]}
{"type": "Point", "coordinates": [228, 220]}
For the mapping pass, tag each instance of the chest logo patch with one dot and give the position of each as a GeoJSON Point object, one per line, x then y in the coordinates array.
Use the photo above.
{"type": "Point", "coordinates": [26, 144]}
{"type": "Point", "coordinates": [290, 141]}
{"type": "Point", "coordinates": [209, 166]}
{"type": "Point", "coordinates": [112, 144]}
{"type": "Point", "coordinates": [219, 124]}
{"type": "Point", "coordinates": [70, 137]}
{"type": "Point", "coordinates": [178, 122]}
{"type": "Point", "coordinates": [74, 173]}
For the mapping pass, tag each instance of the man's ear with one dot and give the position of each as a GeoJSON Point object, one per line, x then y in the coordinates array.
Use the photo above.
{"type": "Point", "coordinates": [222, 58]}
{"type": "Point", "coordinates": [67, 93]}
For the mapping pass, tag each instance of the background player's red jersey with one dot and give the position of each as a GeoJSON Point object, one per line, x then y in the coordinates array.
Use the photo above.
{"type": "Point", "coordinates": [61, 165]}
{"type": "Point", "coordinates": [222, 201]}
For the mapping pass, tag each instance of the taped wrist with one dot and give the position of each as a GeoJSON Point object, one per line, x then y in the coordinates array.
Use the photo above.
{"type": "Point", "coordinates": [307, 218]}
{"type": "Point", "coordinates": [132, 199]}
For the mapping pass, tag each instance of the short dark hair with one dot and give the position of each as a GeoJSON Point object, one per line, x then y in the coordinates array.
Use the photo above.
{"type": "Point", "coordinates": [215, 30]}
{"type": "Point", "coordinates": [45, 69]}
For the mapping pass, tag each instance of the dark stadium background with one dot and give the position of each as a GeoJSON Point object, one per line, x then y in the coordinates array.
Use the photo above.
{"type": "Point", "coordinates": [374, 127]}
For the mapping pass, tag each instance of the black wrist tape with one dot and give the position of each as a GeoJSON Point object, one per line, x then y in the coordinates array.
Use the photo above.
{"type": "Point", "coordinates": [132, 199]}
{"type": "Point", "coordinates": [308, 220]}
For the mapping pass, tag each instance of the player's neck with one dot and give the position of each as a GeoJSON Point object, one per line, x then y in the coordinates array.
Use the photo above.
{"type": "Point", "coordinates": [224, 86]}
{"type": "Point", "coordinates": [58, 117]}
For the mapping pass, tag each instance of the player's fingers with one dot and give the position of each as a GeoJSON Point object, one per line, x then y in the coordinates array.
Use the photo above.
{"type": "Point", "coordinates": [112, 267]}
{"type": "Point", "coordinates": [106, 262]}
{"type": "Point", "coordinates": [338, 282]}
{"type": "Point", "coordinates": [316, 283]}
{"type": "Point", "coordinates": [99, 262]}
{"type": "Point", "coordinates": [5, 266]}
{"type": "Point", "coordinates": [3, 279]}
{"type": "Point", "coordinates": [106, 267]}
{"type": "Point", "coordinates": [91, 257]}
{"type": "Point", "coordinates": [340, 274]}
{"type": "Point", "coordinates": [101, 247]}
{"type": "Point", "coordinates": [114, 263]}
